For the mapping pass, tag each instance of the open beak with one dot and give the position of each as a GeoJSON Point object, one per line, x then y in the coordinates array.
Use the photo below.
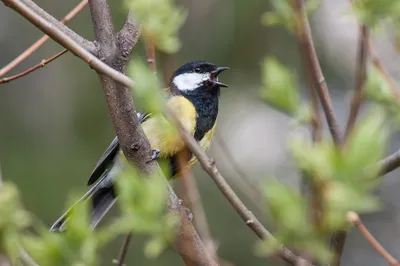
{"type": "Point", "coordinates": [214, 77]}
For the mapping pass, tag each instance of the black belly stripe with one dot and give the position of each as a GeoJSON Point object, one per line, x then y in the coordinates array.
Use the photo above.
{"type": "Point", "coordinates": [205, 102]}
{"type": "Point", "coordinates": [206, 106]}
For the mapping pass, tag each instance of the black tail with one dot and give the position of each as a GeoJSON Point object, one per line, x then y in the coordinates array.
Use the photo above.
{"type": "Point", "coordinates": [103, 198]}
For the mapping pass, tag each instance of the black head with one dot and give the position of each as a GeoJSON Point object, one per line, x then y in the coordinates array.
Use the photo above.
{"type": "Point", "coordinates": [197, 76]}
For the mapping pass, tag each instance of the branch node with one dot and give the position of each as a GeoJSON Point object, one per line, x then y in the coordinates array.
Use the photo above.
{"type": "Point", "coordinates": [248, 222]}
{"type": "Point", "coordinates": [212, 162]}
{"type": "Point", "coordinates": [135, 146]}
{"type": "Point", "coordinates": [353, 217]}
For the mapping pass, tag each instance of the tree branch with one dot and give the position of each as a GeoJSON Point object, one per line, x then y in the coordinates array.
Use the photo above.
{"type": "Point", "coordinates": [41, 41]}
{"type": "Point", "coordinates": [247, 216]}
{"type": "Point", "coordinates": [86, 44]}
{"type": "Point", "coordinates": [137, 148]}
{"type": "Point", "coordinates": [250, 190]}
{"type": "Point", "coordinates": [193, 198]}
{"type": "Point", "coordinates": [124, 250]}
{"type": "Point", "coordinates": [361, 75]}
{"type": "Point", "coordinates": [128, 36]}
{"type": "Point", "coordinates": [389, 164]}
{"type": "Point", "coordinates": [43, 63]}
{"type": "Point", "coordinates": [354, 219]}
{"type": "Point", "coordinates": [307, 47]}
{"type": "Point", "coordinates": [130, 134]}
{"type": "Point", "coordinates": [103, 28]}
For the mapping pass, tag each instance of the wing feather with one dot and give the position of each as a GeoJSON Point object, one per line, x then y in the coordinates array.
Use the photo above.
{"type": "Point", "coordinates": [109, 155]}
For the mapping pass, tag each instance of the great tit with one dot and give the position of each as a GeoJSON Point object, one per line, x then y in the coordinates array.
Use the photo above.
{"type": "Point", "coordinates": [193, 92]}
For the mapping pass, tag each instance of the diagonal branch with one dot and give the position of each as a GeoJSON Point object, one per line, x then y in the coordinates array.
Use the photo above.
{"type": "Point", "coordinates": [130, 134]}
{"type": "Point", "coordinates": [307, 48]}
{"type": "Point", "coordinates": [361, 75]}
{"type": "Point", "coordinates": [247, 216]}
{"type": "Point", "coordinates": [137, 148]}
{"type": "Point", "coordinates": [43, 63]}
{"type": "Point", "coordinates": [78, 8]}
{"type": "Point", "coordinates": [86, 44]}
{"type": "Point", "coordinates": [354, 219]}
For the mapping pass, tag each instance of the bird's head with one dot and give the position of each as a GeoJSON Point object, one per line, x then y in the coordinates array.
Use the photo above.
{"type": "Point", "coordinates": [197, 77]}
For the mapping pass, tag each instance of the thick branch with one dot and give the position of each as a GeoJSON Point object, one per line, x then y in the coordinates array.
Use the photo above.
{"type": "Point", "coordinates": [128, 36]}
{"type": "Point", "coordinates": [88, 45]}
{"type": "Point", "coordinates": [103, 28]}
{"type": "Point", "coordinates": [137, 148]}
{"type": "Point", "coordinates": [132, 140]}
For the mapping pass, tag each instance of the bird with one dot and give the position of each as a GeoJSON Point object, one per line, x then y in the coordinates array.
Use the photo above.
{"type": "Point", "coordinates": [193, 95]}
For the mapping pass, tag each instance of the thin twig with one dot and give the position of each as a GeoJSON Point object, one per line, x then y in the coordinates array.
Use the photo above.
{"type": "Point", "coordinates": [247, 216]}
{"type": "Point", "coordinates": [193, 198]}
{"type": "Point", "coordinates": [379, 66]}
{"type": "Point", "coordinates": [241, 182]}
{"type": "Point", "coordinates": [124, 250]}
{"type": "Point", "coordinates": [354, 219]}
{"type": "Point", "coordinates": [207, 164]}
{"type": "Point", "coordinates": [361, 76]}
{"type": "Point", "coordinates": [43, 63]}
{"type": "Point", "coordinates": [389, 163]}
{"type": "Point", "coordinates": [318, 79]}
{"type": "Point", "coordinates": [41, 41]}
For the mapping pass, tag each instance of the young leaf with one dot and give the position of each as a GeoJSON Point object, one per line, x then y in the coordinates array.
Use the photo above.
{"type": "Point", "coordinates": [160, 21]}
{"type": "Point", "coordinates": [147, 92]}
{"type": "Point", "coordinates": [280, 88]}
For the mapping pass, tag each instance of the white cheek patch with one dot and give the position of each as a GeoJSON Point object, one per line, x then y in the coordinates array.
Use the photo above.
{"type": "Point", "coordinates": [190, 81]}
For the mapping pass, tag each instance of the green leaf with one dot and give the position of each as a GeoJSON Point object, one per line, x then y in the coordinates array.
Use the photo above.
{"type": "Point", "coordinates": [13, 219]}
{"type": "Point", "coordinates": [154, 247]}
{"type": "Point", "coordinates": [315, 159]}
{"type": "Point", "coordinates": [365, 146]}
{"type": "Point", "coordinates": [378, 90]}
{"type": "Point", "coordinates": [160, 21]}
{"type": "Point", "coordinates": [280, 88]}
{"type": "Point", "coordinates": [372, 12]}
{"type": "Point", "coordinates": [283, 13]}
{"type": "Point", "coordinates": [78, 245]}
{"type": "Point", "coordinates": [147, 89]}
{"type": "Point", "coordinates": [340, 198]}
{"type": "Point", "coordinates": [143, 203]}
{"type": "Point", "coordinates": [287, 206]}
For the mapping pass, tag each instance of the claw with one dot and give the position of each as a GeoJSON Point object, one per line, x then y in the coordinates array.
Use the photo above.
{"type": "Point", "coordinates": [155, 153]}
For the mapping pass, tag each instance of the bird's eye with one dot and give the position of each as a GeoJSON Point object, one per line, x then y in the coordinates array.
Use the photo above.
{"type": "Point", "coordinates": [197, 70]}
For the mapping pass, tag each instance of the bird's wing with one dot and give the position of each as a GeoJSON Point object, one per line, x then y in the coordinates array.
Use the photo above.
{"type": "Point", "coordinates": [109, 155]}
{"type": "Point", "coordinates": [158, 130]}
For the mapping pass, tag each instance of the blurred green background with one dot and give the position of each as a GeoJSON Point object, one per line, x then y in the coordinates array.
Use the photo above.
{"type": "Point", "coordinates": [55, 123]}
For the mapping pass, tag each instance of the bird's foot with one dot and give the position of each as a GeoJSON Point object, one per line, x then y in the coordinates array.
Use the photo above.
{"type": "Point", "coordinates": [155, 153]}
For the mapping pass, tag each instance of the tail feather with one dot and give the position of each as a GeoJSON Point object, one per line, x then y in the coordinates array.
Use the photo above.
{"type": "Point", "coordinates": [102, 200]}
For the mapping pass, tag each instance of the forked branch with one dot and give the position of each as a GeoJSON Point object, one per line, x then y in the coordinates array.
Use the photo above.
{"type": "Point", "coordinates": [131, 135]}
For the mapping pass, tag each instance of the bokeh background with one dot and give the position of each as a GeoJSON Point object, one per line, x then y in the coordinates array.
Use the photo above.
{"type": "Point", "coordinates": [54, 124]}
